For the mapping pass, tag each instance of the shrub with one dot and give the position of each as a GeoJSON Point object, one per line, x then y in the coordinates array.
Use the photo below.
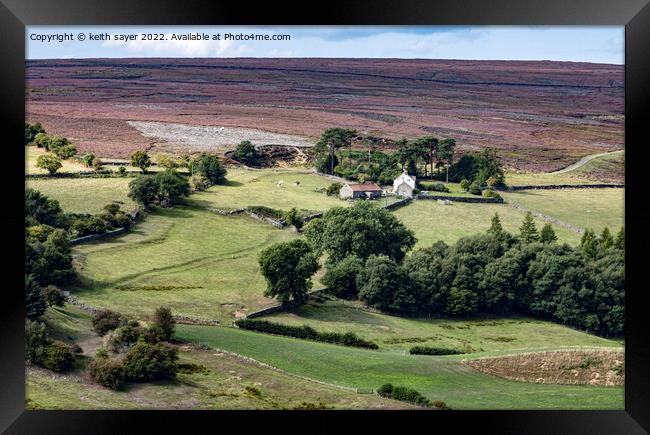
{"type": "Point", "coordinates": [140, 159]}
{"type": "Point", "coordinates": [35, 303]}
{"type": "Point", "coordinates": [404, 394]}
{"type": "Point", "coordinates": [75, 348]}
{"type": "Point", "coordinates": [54, 296]}
{"type": "Point", "coordinates": [426, 350]}
{"type": "Point", "coordinates": [475, 188]}
{"type": "Point", "coordinates": [305, 332]}
{"type": "Point", "coordinates": [246, 153]}
{"type": "Point", "coordinates": [66, 151]}
{"type": "Point", "coordinates": [385, 390]}
{"type": "Point", "coordinates": [83, 225]}
{"type": "Point", "coordinates": [266, 212]}
{"type": "Point", "coordinates": [464, 184]}
{"type": "Point", "coordinates": [333, 189]}
{"type": "Point", "coordinates": [440, 404]}
{"type": "Point", "coordinates": [149, 362]}
{"type": "Point", "coordinates": [57, 357]}
{"type": "Point", "coordinates": [171, 187]}
{"type": "Point", "coordinates": [439, 187]}
{"type": "Point", "coordinates": [164, 322]}
{"type": "Point", "coordinates": [122, 338]}
{"type": "Point", "coordinates": [107, 372]}
{"type": "Point", "coordinates": [210, 167]}
{"type": "Point", "coordinates": [199, 183]}
{"type": "Point", "coordinates": [107, 320]}
{"type": "Point", "coordinates": [143, 190]}
{"type": "Point", "coordinates": [489, 193]}
{"type": "Point", "coordinates": [122, 171]}
{"type": "Point", "coordinates": [88, 159]}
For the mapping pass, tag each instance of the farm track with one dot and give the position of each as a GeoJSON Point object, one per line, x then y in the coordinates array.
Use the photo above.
{"type": "Point", "coordinates": [584, 161]}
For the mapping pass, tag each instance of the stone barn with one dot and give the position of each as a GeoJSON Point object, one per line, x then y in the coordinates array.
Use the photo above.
{"type": "Point", "coordinates": [404, 185]}
{"type": "Point", "coordinates": [365, 190]}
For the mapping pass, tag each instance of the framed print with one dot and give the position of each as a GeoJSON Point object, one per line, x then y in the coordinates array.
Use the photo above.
{"type": "Point", "coordinates": [380, 215]}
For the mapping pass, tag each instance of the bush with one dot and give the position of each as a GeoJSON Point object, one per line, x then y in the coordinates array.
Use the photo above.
{"type": "Point", "coordinates": [35, 303]}
{"type": "Point", "coordinates": [107, 320]}
{"type": "Point", "coordinates": [65, 152]}
{"type": "Point", "coordinates": [246, 153]}
{"type": "Point", "coordinates": [404, 394]}
{"type": "Point", "coordinates": [122, 338]}
{"type": "Point", "coordinates": [333, 189]}
{"type": "Point", "coordinates": [121, 171]}
{"type": "Point", "coordinates": [83, 225]}
{"type": "Point", "coordinates": [148, 362]}
{"type": "Point", "coordinates": [210, 167]}
{"type": "Point", "coordinates": [439, 187]}
{"type": "Point", "coordinates": [266, 212]}
{"type": "Point", "coordinates": [54, 296]}
{"type": "Point", "coordinates": [426, 350]}
{"type": "Point", "coordinates": [464, 184]}
{"type": "Point", "coordinates": [489, 193]}
{"type": "Point", "coordinates": [107, 372]}
{"type": "Point", "coordinates": [305, 332]}
{"type": "Point", "coordinates": [199, 183]}
{"type": "Point", "coordinates": [140, 159]}
{"type": "Point", "coordinates": [164, 322]}
{"type": "Point", "coordinates": [475, 188]}
{"type": "Point", "coordinates": [57, 357]}
{"type": "Point", "coordinates": [75, 348]}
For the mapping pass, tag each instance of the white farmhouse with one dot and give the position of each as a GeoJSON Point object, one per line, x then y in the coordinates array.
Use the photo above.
{"type": "Point", "coordinates": [404, 185]}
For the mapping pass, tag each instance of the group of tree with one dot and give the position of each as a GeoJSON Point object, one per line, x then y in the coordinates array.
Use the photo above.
{"type": "Point", "coordinates": [59, 148]}
{"type": "Point", "coordinates": [477, 170]}
{"type": "Point", "coordinates": [498, 273]}
{"type": "Point", "coordinates": [31, 130]}
{"type": "Point", "coordinates": [334, 155]}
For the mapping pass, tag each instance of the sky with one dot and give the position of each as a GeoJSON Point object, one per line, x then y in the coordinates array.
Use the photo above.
{"type": "Point", "coordinates": [596, 44]}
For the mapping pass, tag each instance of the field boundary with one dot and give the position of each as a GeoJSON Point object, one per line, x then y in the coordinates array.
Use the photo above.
{"type": "Point", "coordinates": [283, 307]}
{"type": "Point", "coordinates": [451, 198]}
{"type": "Point", "coordinates": [547, 218]}
{"type": "Point", "coordinates": [563, 186]}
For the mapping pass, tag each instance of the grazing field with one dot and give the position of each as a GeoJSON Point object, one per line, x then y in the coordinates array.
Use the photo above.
{"type": "Point", "coordinates": [432, 221]}
{"type": "Point", "coordinates": [586, 208]}
{"type": "Point", "coordinates": [84, 195]}
{"type": "Point", "coordinates": [198, 263]}
{"type": "Point", "coordinates": [223, 381]}
{"type": "Point", "coordinates": [438, 378]}
{"type": "Point", "coordinates": [32, 153]}
{"type": "Point", "coordinates": [259, 187]}
{"type": "Point", "coordinates": [473, 335]}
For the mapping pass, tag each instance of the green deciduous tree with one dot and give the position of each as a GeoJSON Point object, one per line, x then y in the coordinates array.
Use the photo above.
{"type": "Point", "coordinates": [209, 165]}
{"type": "Point", "coordinates": [49, 162]}
{"type": "Point", "coordinates": [140, 159]}
{"type": "Point", "coordinates": [287, 268]}
{"type": "Point", "coordinates": [341, 278]}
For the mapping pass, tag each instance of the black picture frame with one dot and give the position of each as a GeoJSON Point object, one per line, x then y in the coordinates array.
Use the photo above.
{"type": "Point", "coordinates": [633, 14]}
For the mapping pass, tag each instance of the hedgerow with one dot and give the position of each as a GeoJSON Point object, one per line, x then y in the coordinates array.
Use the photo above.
{"type": "Point", "coordinates": [427, 350]}
{"type": "Point", "coordinates": [306, 333]}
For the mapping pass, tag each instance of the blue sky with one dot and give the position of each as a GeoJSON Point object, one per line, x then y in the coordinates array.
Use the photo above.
{"type": "Point", "coordinates": [562, 43]}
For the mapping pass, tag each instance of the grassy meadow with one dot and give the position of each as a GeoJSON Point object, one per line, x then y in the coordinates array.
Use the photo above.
{"type": "Point", "coordinates": [586, 208]}
{"type": "Point", "coordinates": [198, 263]}
{"type": "Point", "coordinates": [474, 335]}
{"type": "Point", "coordinates": [432, 221]}
{"type": "Point", "coordinates": [444, 378]}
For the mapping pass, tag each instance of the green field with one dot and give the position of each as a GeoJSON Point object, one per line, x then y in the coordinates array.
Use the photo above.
{"type": "Point", "coordinates": [84, 195]}
{"type": "Point", "coordinates": [199, 263]}
{"type": "Point", "coordinates": [439, 378]}
{"type": "Point", "coordinates": [432, 221]}
{"type": "Point", "coordinates": [220, 385]}
{"type": "Point", "coordinates": [586, 208]}
{"type": "Point", "coordinates": [258, 187]}
{"type": "Point", "coordinates": [479, 335]}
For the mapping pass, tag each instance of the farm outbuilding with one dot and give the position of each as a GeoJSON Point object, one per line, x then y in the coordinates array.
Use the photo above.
{"type": "Point", "coordinates": [404, 185]}
{"type": "Point", "coordinates": [365, 190]}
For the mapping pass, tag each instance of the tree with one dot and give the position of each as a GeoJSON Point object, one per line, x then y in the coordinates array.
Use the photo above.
{"type": "Point", "coordinates": [528, 229]}
{"type": "Point", "coordinates": [547, 235]}
{"type": "Point", "coordinates": [606, 240]}
{"type": "Point", "coordinates": [445, 153]}
{"type": "Point", "coordinates": [42, 209]}
{"type": "Point", "coordinates": [383, 284]}
{"type": "Point", "coordinates": [167, 162]}
{"type": "Point", "coordinates": [489, 165]}
{"type": "Point", "coordinates": [140, 159]}
{"type": "Point", "coordinates": [36, 341]}
{"type": "Point", "coordinates": [362, 230]}
{"type": "Point", "coordinates": [430, 145]}
{"type": "Point", "coordinates": [171, 187]}
{"type": "Point", "coordinates": [464, 184]}
{"type": "Point", "coordinates": [146, 362]}
{"type": "Point", "coordinates": [42, 140]}
{"type": "Point", "coordinates": [292, 218]}
{"type": "Point", "coordinates": [619, 243]}
{"type": "Point", "coordinates": [31, 130]}
{"type": "Point", "coordinates": [89, 159]}
{"type": "Point", "coordinates": [341, 278]}
{"type": "Point", "coordinates": [55, 142]}
{"type": "Point", "coordinates": [329, 142]}
{"type": "Point", "coordinates": [35, 303]}
{"type": "Point", "coordinates": [496, 229]}
{"type": "Point", "coordinates": [287, 268]}
{"type": "Point", "coordinates": [66, 151]}
{"type": "Point", "coordinates": [210, 167]}
{"type": "Point", "coordinates": [589, 243]}
{"type": "Point", "coordinates": [143, 190]}
{"type": "Point", "coordinates": [246, 153]}
{"type": "Point", "coordinates": [164, 323]}
{"type": "Point", "coordinates": [49, 162]}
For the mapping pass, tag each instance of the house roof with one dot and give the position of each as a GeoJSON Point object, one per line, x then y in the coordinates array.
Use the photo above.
{"type": "Point", "coordinates": [366, 187]}
{"type": "Point", "coordinates": [405, 178]}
